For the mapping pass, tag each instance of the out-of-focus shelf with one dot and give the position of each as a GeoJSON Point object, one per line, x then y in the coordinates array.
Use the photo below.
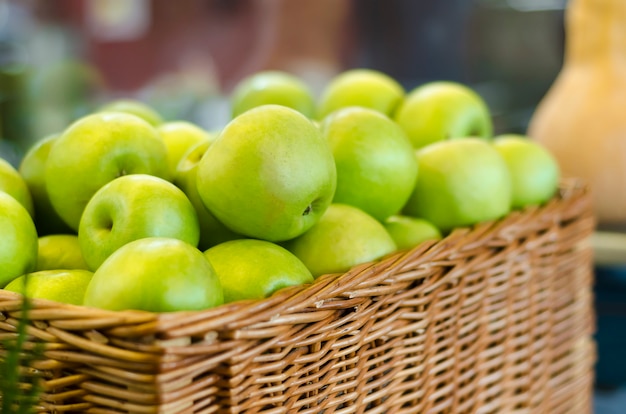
{"type": "Point", "coordinates": [609, 248]}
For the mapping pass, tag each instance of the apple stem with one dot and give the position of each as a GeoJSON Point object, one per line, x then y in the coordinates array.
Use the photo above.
{"type": "Point", "coordinates": [307, 210]}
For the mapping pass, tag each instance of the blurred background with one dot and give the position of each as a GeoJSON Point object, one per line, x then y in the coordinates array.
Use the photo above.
{"type": "Point", "coordinates": [61, 59]}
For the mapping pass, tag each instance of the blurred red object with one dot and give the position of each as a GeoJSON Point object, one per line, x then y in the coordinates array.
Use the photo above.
{"type": "Point", "coordinates": [134, 42]}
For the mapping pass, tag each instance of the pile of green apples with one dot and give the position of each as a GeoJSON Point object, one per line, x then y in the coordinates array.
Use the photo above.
{"type": "Point", "coordinates": [123, 210]}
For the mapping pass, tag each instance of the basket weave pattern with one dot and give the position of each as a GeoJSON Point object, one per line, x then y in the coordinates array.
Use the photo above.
{"type": "Point", "coordinates": [493, 319]}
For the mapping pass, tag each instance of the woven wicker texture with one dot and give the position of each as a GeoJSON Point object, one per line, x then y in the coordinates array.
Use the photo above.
{"type": "Point", "coordinates": [494, 319]}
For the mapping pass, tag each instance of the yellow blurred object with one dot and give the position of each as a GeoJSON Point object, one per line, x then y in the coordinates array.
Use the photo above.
{"type": "Point", "coordinates": [582, 119]}
{"type": "Point", "coordinates": [609, 248]}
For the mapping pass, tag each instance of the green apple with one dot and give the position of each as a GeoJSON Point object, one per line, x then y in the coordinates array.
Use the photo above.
{"type": "Point", "coordinates": [409, 232]}
{"type": "Point", "coordinates": [32, 169]}
{"type": "Point", "coordinates": [12, 183]}
{"type": "Point", "coordinates": [59, 251]}
{"type": "Point", "coordinates": [178, 137]}
{"type": "Point", "coordinates": [212, 231]}
{"type": "Point", "coordinates": [376, 164]}
{"type": "Point", "coordinates": [60, 285]}
{"type": "Point", "coordinates": [155, 274]}
{"type": "Point", "coordinates": [461, 182]}
{"type": "Point", "coordinates": [534, 171]}
{"type": "Point", "coordinates": [344, 237]}
{"type": "Point", "coordinates": [134, 107]}
{"type": "Point", "coordinates": [272, 87]}
{"type": "Point", "coordinates": [134, 207]}
{"type": "Point", "coordinates": [95, 150]}
{"type": "Point", "coordinates": [361, 87]}
{"type": "Point", "coordinates": [18, 240]}
{"type": "Point", "coordinates": [254, 269]}
{"type": "Point", "coordinates": [442, 110]}
{"type": "Point", "coordinates": [269, 175]}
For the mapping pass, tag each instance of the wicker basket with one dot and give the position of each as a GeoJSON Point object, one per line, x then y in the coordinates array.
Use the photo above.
{"type": "Point", "coordinates": [493, 319]}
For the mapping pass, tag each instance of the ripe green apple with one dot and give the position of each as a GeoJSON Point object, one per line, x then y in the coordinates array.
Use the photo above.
{"type": "Point", "coordinates": [32, 169]}
{"type": "Point", "coordinates": [376, 164]}
{"type": "Point", "coordinates": [534, 170]}
{"type": "Point", "coordinates": [361, 87]}
{"type": "Point", "coordinates": [18, 240]}
{"type": "Point", "coordinates": [93, 151]}
{"type": "Point", "coordinates": [269, 175]}
{"type": "Point", "coordinates": [59, 251]}
{"type": "Point", "coordinates": [59, 285]}
{"type": "Point", "coordinates": [443, 110]}
{"type": "Point", "coordinates": [134, 107]}
{"type": "Point", "coordinates": [212, 232]}
{"type": "Point", "coordinates": [409, 232]}
{"type": "Point", "coordinates": [12, 183]}
{"type": "Point", "coordinates": [178, 137]}
{"type": "Point", "coordinates": [272, 87]}
{"type": "Point", "coordinates": [461, 182]}
{"type": "Point", "coordinates": [155, 274]}
{"type": "Point", "coordinates": [133, 207]}
{"type": "Point", "coordinates": [254, 269]}
{"type": "Point", "coordinates": [344, 237]}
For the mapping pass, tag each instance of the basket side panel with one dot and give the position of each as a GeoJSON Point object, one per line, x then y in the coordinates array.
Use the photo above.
{"type": "Point", "coordinates": [499, 320]}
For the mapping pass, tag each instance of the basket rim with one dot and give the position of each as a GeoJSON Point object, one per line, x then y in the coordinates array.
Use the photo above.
{"type": "Point", "coordinates": [571, 189]}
